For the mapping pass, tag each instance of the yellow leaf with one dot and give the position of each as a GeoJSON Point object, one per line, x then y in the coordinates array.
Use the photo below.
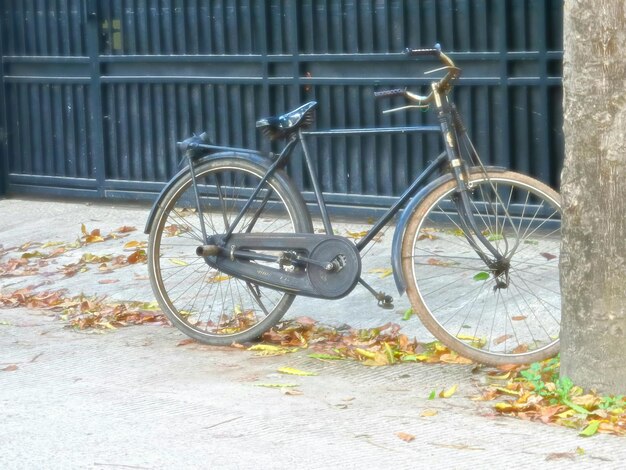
{"type": "Point", "coordinates": [428, 412]}
{"type": "Point", "coordinates": [388, 272]}
{"type": "Point", "coordinates": [269, 350]}
{"type": "Point", "coordinates": [49, 244]}
{"type": "Point", "coordinates": [356, 234]}
{"type": "Point", "coordinates": [179, 262]}
{"type": "Point", "coordinates": [468, 338]}
{"type": "Point", "coordinates": [421, 357]}
{"type": "Point", "coordinates": [384, 272]}
{"type": "Point", "coordinates": [504, 407]}
{"type": "Point", "coordinates": [506, 391]}
{"type": "Point", "coordinates": [454, 358]}
{"type": "Point", "coordinates": [448, 393]}
{"type": "Point", "coordinates": [501, 377]}
{"type": "Point", "coordinates": [264, 347]}
{"type": "Point", "coordinates": [134, 244]}
{"type": "Point", "coordinates": [218, 278]}
{"type": "Point", "coordinates": [93, 239]}
{"type": "Point", "coordinates": [366, 353]}
{"type": "Point", "coordinates": [292, 371]}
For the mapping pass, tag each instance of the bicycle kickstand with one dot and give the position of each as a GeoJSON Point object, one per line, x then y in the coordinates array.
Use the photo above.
{"type": "Point", "coordinates": [384, 301]}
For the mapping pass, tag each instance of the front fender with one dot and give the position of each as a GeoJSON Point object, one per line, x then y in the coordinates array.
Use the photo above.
{"type": "Point", "coordinates": [396, 246]}
{"type": "Point", "coordinates": [252, 156]}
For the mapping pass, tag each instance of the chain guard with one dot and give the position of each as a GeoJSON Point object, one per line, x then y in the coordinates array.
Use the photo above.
{"type": "Point", "coordinates": [341, 281]}
{"type": "Point", "coordinates": [310, 280]}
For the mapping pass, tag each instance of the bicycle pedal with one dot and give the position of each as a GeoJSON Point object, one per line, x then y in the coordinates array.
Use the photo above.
{"type": "Point", "coordinates": [386, 303]}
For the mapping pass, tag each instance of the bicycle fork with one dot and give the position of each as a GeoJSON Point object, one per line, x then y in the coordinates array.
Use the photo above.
{"type": "Point", "coordinates": [448, 118]}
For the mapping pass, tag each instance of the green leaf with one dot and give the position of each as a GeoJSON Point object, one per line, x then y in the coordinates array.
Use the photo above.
{"type": "Point", "coordinates": [591, 429]}
{"type": "Point", "coordinates": [33, 254]}
{"type": "Point", "coordinates": [267, 385]}
{"type": "Point", "coordinates": [407, 314]}
{"type": "Point", "coordinates": [575, 407]}
{"type": "Point", "coordinates": [432, 395]}
{"type": "Point", "coordinates": [481, 276]}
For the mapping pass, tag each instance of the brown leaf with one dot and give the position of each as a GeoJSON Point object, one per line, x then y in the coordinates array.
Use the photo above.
{"type": "Point", "coordinates": [501, 339]}
{"type": "Point", "coordinates": [520, 349]}
{"type": "Point", "coordinates": [10, 368]}
{"type": "Point", "coordinates": [186, 341]}
{"type": "Point", "coordinates": [519, 317]}
{"type": "Point", "coordinates": [125, 229]}
{"type": "Point", "coordinates": [438, 262]}
{"type": "Point", "coordinates": [405, 436]}
{"type": "Point", "coordinates": [548, 256]}
{"type": "Point", "coordinates": [108, 281]}
{"type": "Point", "coordinates": [560, 455]}
{"type": "Point", "coordinates": [138, 256]}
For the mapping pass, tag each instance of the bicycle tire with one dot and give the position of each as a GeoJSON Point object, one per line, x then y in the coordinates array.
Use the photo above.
{"type": "Point", "coordinates": [204, 303]}
{"type": "Point", "coordinates": [477, 312]}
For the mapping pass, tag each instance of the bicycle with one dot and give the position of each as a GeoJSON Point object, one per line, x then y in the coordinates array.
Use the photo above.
{"type": "Point", "coordinates": [476, 249]}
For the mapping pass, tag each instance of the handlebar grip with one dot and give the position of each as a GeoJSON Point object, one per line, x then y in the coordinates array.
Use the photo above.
{"type": "Point", "coordinates": [390, 93]}
{"type": "Point", "coordinates": [435, 51]}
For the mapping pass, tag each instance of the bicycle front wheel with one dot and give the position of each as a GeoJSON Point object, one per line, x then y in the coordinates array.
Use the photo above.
{"type": "Point", "coordinates": [203, 302]}
{"type": "Point", "coordinates": [487, 314]}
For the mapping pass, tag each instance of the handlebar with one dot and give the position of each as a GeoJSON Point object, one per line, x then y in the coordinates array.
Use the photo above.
{"type": "Point", "coordinates": [442, 86]}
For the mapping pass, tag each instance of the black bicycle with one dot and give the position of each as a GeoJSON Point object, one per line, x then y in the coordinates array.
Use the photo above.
{"type": "Point", "coordinates": [231, 241]}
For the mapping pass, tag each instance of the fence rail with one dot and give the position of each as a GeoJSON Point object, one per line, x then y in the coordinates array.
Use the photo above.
{"type": "Point", "coordinates": [95, 94]}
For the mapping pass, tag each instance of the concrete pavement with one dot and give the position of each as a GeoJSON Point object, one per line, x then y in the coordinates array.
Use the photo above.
{"type": "Point", "coordinates": [133, 398]}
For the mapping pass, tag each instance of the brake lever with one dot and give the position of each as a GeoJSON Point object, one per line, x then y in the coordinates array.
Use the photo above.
{"type": "Point", "coordinates": [447, 67]}
{"type": "Point", "coordinates": [401, 108]}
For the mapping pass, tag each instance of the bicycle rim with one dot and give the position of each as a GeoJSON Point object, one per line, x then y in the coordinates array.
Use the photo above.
{"type": "Point", "coordinates": [483, 314]}
{"type": "Point", "coordinates": [205, 303]}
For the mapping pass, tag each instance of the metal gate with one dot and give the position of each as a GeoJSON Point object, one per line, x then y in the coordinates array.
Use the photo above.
{"type": "Point", "coordinates": [96, 93]}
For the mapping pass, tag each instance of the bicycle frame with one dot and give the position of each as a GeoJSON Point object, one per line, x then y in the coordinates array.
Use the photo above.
{"type": "Point", "coordinates": [449, 128]}
{"type": "Point", "coordinates": [450, 162]}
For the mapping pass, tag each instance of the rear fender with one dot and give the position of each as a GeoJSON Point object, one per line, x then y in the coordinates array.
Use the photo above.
{"type": "Point", "coordinates": [396, 246]}
{"type": "Point", "coordinates": [252, 156]}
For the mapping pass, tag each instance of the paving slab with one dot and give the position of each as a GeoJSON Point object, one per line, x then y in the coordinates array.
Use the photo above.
{"type": "Point", "coordinates": [135, 398]}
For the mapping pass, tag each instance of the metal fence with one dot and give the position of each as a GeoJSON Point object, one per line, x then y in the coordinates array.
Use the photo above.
{"type": "Point", "coordinates": [96, 93]}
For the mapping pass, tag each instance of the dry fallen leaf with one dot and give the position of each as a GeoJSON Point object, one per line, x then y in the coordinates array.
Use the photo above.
{"type": "Point", "coordinates": [405, 436]}
{"type": "Point", "coordinates": [10, 368]}
{"type": "Point", "coordinates": [449, 392]}
{"type": "Point", "coordinates": [429, 412]}
{"type": "Point", "coordinates": [292, 371]}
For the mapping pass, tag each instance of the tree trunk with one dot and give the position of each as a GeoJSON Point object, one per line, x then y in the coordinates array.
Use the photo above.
{"type": "Point", "coordinates": [593, 255]}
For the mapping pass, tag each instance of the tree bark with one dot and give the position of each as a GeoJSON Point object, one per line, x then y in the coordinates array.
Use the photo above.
{"type": "Point", "coordinates": [593, 255]}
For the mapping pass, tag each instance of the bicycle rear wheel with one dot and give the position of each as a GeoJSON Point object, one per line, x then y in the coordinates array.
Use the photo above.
{"type": "Point", "coordinates": [203, 302]}
{"type": "Point", "coordinates": [483, 314]}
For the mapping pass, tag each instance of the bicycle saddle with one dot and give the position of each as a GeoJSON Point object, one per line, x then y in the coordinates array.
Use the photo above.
{"type": "Point", "coordinates": [277, 127]}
